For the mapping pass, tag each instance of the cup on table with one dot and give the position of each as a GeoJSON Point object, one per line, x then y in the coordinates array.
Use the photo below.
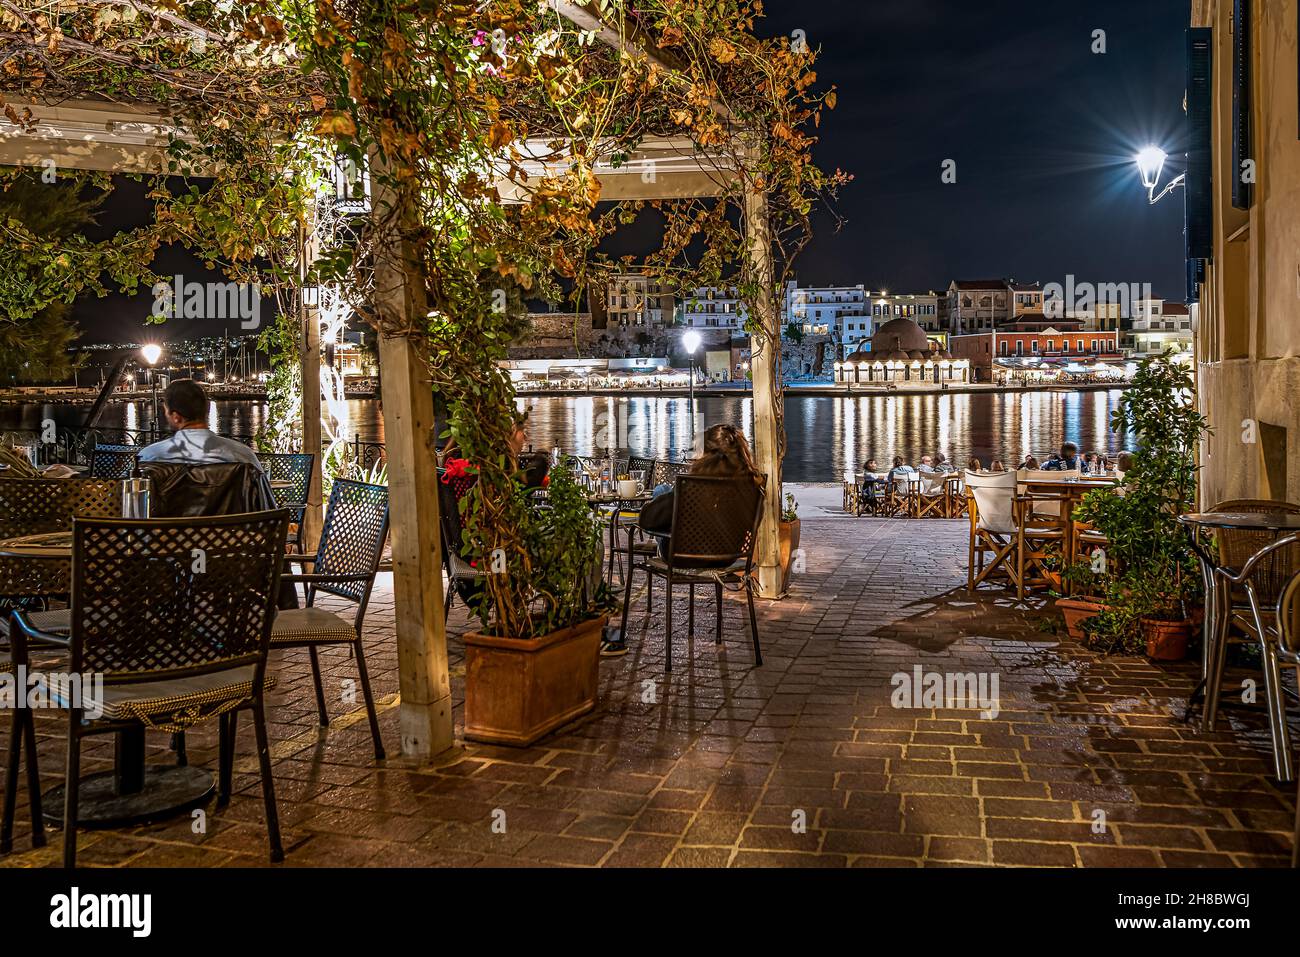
{"type": "Point", "coordinates": [629, 488]}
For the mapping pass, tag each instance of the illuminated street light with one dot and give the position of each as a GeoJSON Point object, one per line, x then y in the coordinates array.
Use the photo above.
{"type": "Point", "coordinates": [691, 342]}
{"type": "Point", "coordinates": [1151, 162]}
{"type": "Point", "coordinates": [152, 352]}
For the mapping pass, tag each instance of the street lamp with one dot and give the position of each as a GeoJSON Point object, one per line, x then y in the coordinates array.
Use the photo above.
{"type": "Point", "coordinates": [691, 342]}
{"type": "Point", "coordinates": [1151, 162]}
{"type": "Point", "coordinates": [152, 352]}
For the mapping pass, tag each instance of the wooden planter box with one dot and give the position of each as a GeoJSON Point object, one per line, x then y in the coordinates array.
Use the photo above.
{"type": "Point", "coordinates": [519, 690]}
{"type": "Point", "coordinates": [789, 539]}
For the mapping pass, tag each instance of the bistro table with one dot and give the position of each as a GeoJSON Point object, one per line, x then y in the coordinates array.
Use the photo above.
{"type": "Point", "coordinates": [133, 792]}
{"type": "Point", "coordinates": [1218, 588]}
{"type": "Point", "coordinates": [1071, 492]}
{"type": "Point", "coordinates": [617, 505]}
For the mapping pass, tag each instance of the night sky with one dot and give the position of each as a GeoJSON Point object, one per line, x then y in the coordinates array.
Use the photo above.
{"type": "Point", "coordinates": [1043, 132]}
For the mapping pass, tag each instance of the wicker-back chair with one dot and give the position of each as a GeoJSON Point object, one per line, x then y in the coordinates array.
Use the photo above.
{"type": "Point", "coordinates": [35, 506]}
{"type": "Point", "coordinates": [1288, 650]}
{"type": "Point", "coordinates": [638, 463]}
{"type": "Point", "coordinates": [294, 468]}
{"type": "Point", "coordinates": [112, 461]}
{"type": "Point", "coordinates": [714, 530]}
{"type": "Point", "coordinates": [176, 641]}
{"type": "Point", "coordinates": [665, 472]}
{"type": "Point", "coordinates": [345, 563]}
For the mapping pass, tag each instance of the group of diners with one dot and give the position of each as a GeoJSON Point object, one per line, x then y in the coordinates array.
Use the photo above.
{"type": "Point", "coordinates": [1067, 459]}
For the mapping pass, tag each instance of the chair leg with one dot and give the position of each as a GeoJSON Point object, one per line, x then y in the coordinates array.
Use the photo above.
{"type": "Point", "coordinates": [71, 791]}
{"type": "Point", "coordinates": [268, 785]}
{"type": "Point", "coordinates": [370, 701]}
{"type": "Point", "coordinates": [225, 758]}
{"type": "Point", "coordinates": [11, 781]}
{"type": "Point", "coordinates": [1020, 566]}
{"type": "Point", "coordinates": [753, 621]}
{"type": "Point", "coordinates": [446, 604]}
{"type": "Point", "coordinates": [627, 597]}
{"type": "Point", "coordinates": [178, 745]}
{"type": "Point", "coordinates": [717, 597]}
{"type": "Point", "coordinates": [33, 781]}
{"type": "Point", "coordinates": [668, 627]}
{"type": "Point", "coordinates": [690, 616]}
{"type": "Point", "coordinates": [970, 564]}
{"type": "Point", "coordinates": [320, 690]}
{"type": "Point", "coordinates": [1276, 710]}
{"type": "Point", "coordinates": [1218, 656]}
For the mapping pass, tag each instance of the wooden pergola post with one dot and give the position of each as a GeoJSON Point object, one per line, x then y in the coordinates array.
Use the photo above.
{"type": "Point", "coordinates": [409, 433]}
{"type": "Point", "coordinates": [765, 364]}
{"type": "Point", "coordinates": [310, 356]}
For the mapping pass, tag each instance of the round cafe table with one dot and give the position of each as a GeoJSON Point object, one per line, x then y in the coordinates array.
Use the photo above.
{"type": "Point", "coordinates": [133, 792]}
{"type": "Point", "coordinates": [616, 505]}
{"type": "Point", "coordinates": [1218, 599]}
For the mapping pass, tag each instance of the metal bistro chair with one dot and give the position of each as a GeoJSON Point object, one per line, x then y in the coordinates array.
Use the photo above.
{"type": "Point", "coordinates": [665, 472]}
{"type": "Point", "coordinates": [294, 468]}
{"type": "Point", "coordinates": [715, 524]}
{"type": "Point", "coordinates": [176, 645]}
{"type": "Point", "coordinates": [1236, 546]}
{"type": "Point", "coordinates": [1288, 652]}
{"type": "Point", "coordinates": [345, 564]}
{"type": "Point", "coordinates": [35, 506]}
{"type": "Point", "coordinates": [112, 461]}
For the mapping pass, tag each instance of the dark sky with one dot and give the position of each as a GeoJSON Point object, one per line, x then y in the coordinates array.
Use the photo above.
{"type": "Point", "coordinates": [1042, 130]}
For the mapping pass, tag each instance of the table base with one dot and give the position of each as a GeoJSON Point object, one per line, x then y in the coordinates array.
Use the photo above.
{"type": "Point", "coordinates": [167, 791]}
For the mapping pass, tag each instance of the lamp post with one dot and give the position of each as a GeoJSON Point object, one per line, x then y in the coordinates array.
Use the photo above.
{"type": "Point", "coordinates": [691, 342]}
{"type": "Point", "coordinates": [1151, 162]}
{"type": "Point", "coordinates": [152, 352]}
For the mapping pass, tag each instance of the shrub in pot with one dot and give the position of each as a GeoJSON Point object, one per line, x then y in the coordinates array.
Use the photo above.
{"type": "Point", "coordinates": [1148, 577]}
{"type": "Point", "coordinates": [789, 537]}
{"type": "Point", "coordinates": [520, 686]}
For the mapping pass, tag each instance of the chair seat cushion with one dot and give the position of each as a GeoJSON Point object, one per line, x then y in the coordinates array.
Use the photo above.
{"type": "Point", "coordinates": [310, 625]}
{"type": "Point", "coordinates": [58, 621]}
{"type": "Point", "coordinates": [731, 572]}
{"type": "Point", "coordinates": [173, 704]}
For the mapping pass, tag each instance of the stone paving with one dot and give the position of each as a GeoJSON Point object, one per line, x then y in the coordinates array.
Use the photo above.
{"type": "Point", "coordinates": [803, 762]}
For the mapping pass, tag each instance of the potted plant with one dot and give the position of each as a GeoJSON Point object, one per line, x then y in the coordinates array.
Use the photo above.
{"type": "Point", "coordinates": [1081, 604]}
{"type": "Point", "coordinates": [522, 685]}
{"type": "Point", "coordinates": [789, 537]}
{"type": "Point", "coordinates": [1149, 579]}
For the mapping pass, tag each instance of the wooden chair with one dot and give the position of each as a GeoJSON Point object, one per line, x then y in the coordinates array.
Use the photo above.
{"type": "Point", "coordinates": [176, 645]}
{"type": "Point", "coordinates": [715, 524]}
{"type": "Point", "coordinates": [931, 495]}
{"type": "Point", "coordinates": [993, 531]}
{"type": "Point", "coordinates": [345, 563]}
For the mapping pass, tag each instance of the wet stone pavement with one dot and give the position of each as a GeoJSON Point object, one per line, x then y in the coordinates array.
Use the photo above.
{"type": "Point", "coordinates": [1084, 761]}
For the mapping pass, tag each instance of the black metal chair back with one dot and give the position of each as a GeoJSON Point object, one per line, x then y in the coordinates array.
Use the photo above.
{"type": "Point", "coordinates": [636, 463]}
{"type": "Point", "coordinates": [35, 506]}
{"type": "Point", "coordinates": [112, 461]}
{"type": "Point", "coordinates": [166, 598]}
{"type": "Point", "coordinates": [714, 522]}
{"type": "Point", "coordinates": [294, 468]}
{"type": "Point", "coordinates": [352, 539]}
{"type": "Point", "coordinates": [665, 473]}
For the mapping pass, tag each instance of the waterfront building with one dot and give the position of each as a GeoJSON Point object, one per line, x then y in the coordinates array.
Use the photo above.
{"type": "Point", "coordinates": [978, 305]}
{"type": "Point", "coordinates": [713, 308]}
{"type": "Point", "coordinates": [900, 351]}
{"type": "Point", "coordinates": [634, 299]}
{"type": "Point", "coordinates": [1026, 299]}
{"type": "Point", "coordinates": [823, 310]}
{"type": "Point", "coordinates": [1158, 327]}
{"type": "Point", "coordinates": [1036, 348]}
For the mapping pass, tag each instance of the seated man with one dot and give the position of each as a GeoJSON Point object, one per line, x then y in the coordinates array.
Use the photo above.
{"type": "Point", "coordinates": [193, 443]}
{"type": "Point", "coordinates": [1069, 460]}
{"type": "Point", "coordinates": [927, 465]}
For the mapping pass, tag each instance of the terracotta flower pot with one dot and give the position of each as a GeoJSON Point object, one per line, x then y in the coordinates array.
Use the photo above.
{"type": "Point", "coordinates": [1166, 640]}
{"type": "Point", "coordinates": [1076, 612]}
{"type": "Point", "coordinates": [789, 538]}
{"type": "Point", "coordinates": [519, 690]}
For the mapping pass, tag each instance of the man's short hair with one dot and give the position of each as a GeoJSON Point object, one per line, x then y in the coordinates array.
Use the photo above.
{"type": "Point", "coordinates": [1069, 448]}
{"type": "Point", "coordinates": [187, 399]}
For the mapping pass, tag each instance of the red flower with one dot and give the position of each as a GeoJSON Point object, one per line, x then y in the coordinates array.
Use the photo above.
{"type": "Point", "coordinates": [546, 481]}
{"type": "Point", "coordinates": [455, 469]}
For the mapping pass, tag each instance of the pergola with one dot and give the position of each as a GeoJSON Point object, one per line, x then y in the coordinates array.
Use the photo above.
{"type": "Point", "coordinates": [113, 137]}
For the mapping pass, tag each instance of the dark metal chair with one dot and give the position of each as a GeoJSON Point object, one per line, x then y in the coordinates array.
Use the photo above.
{"type": "Point", "coordinates": [461, 575]}
{"type": "Point", "coordinates": [715, 525]}
{"type": "Point", "coordinates": [176, 642]}
{"type": "Point", "coordinates": [345, 564]}
{"type": "Point", "coordinates": [665, 473]}
{"type": "Point", "coordinates": [1288, 652]}
{"type": "Point", "coordinates": [112, 461]}
{"type": "Point", "coordinates": [294, 468]}
{"type": "Point", "coordinates": [35, 506]}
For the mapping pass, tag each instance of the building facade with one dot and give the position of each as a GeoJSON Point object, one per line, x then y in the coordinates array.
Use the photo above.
{"type": "Point", "coordinates": [633, 299]}
{"type": "Point", "coordinates": [1040, 350]}
{"type": "Point", "coordinates": [979, 305]}
{"type": "Point", "coordinates": [901, 352]}
{"type": "Point", "coordinates": [713, 309]}
{"type": "Point", "coordinates": [1243, 238]}
{"type": "Point", "coordinates": [1158, 327]}
{"type": "Point", "coordinates": [821, 310]}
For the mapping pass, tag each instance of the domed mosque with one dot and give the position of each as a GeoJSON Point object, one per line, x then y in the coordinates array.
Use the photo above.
{"type": "Point", "coordinates": [901, 352]}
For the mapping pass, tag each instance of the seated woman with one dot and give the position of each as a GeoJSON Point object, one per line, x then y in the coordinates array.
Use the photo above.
{"type": "Point", "coordinates": [726, 454]}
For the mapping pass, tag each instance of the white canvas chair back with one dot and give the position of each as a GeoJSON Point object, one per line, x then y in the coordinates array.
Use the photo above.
{"type": "Point", "coordinates": [994, 494]}
{"type": "Point", "coordinates": [1044, 475]}
{"type": "Point", "coordinates": [932, 483]}
{"type": "Point", "coordinates": [903, 482]}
